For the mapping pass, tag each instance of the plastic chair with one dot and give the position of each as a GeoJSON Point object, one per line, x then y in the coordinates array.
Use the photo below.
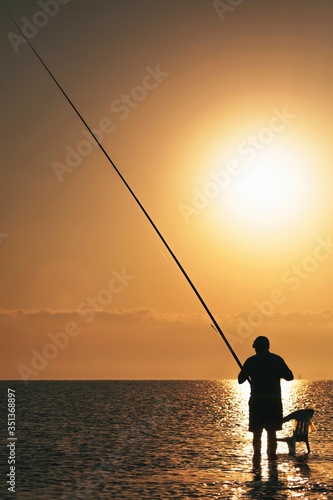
{"type": "Point", "coordinates": [303, 425]}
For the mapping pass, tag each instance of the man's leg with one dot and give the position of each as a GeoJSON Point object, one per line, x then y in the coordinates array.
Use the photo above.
{"type": "Point", "coordinates": [271, 443]}
{"type": "Point", "coordinates": [257, 441]}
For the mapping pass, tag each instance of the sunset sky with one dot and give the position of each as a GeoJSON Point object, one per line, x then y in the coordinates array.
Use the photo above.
{"type": "Point", "coordinates": [220, 119]}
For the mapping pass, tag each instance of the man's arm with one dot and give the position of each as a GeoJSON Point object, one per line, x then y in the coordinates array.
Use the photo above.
{"type": "Point", "coordinates": [243, 374]}
{"type": "Point", "coordinates": [287, 374]}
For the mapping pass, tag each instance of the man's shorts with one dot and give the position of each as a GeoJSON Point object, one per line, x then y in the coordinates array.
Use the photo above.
{"type": "Point", "coordinates": [265, 413]}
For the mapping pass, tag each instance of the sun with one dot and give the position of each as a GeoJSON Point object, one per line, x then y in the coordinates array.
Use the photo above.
{"type": "Point", "coordinates": [276, 190]}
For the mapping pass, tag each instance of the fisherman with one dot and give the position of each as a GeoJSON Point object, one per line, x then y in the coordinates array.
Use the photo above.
{"type": "Point", "coordinates": [264, 371]}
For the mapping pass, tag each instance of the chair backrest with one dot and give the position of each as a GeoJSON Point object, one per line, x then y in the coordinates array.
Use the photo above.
{"type": "Point", "coordinates": [300, 416]}
{"type": "Point", "coordinates": [301, 429]}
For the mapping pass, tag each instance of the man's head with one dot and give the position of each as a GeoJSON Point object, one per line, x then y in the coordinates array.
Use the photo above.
{"type": "Point", "coordinates": [261, 344]}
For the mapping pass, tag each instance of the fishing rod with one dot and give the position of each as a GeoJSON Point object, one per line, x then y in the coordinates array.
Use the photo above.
{"type": "Point", "coordinates": [216, 325]}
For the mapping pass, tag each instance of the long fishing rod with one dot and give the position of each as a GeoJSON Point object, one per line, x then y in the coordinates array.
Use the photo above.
{"type": "Point", "coordinates": [216, 325]}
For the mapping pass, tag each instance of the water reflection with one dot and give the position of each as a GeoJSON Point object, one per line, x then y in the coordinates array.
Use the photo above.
{"type": "Point", "coordinates": [165, 439]}
{"type": "Point", "coordinates": [286, 477]}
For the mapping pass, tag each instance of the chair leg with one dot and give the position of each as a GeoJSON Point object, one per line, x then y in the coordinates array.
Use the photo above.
{"type": "Point", "coordinates": [291, 445]}
{"type": "Point", "coordinates": [308, 446]}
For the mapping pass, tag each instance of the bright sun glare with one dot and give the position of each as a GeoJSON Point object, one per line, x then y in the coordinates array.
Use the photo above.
{"type": "Point", "coordinates": [273, 190]}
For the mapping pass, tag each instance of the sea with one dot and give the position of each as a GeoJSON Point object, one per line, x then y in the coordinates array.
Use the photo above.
{"type": "Point", "coordinates": [158, 440]}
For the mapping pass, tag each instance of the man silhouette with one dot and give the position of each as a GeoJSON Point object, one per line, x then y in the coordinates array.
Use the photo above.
{"type": "Point", "coordinates": [264, 370]}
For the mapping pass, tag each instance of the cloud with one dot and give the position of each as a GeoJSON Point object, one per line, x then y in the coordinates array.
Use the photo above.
{"type": "Point", "coordinates": [143, 343]}
{"type": "Point", "coordinates": [140, 313]}
{"type": "Point", "coordinates": [290, 317]}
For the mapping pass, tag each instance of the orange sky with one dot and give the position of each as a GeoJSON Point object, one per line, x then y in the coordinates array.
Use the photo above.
{"type": "Point", "coordinates": [221, 125]}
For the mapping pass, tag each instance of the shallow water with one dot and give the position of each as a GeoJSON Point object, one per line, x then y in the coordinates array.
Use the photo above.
{"type": "Point", "coordinates": [160, 440]}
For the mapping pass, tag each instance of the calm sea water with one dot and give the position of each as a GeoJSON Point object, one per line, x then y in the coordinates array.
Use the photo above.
{"type": "Point", "coordinates": [159, 440]}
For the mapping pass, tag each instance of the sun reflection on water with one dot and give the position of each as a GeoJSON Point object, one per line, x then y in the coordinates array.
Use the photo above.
{"type": "Point", "coordinates": [295, 396]}
{"type": "Point", "coordinates": [284, 478]}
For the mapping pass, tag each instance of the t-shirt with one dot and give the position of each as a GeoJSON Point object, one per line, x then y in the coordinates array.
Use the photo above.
{"type": "Point", "coordinates": [265, 370]}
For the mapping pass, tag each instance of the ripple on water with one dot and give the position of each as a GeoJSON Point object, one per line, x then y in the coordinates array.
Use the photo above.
{"type": "Point", "coordinates": [162, 440]}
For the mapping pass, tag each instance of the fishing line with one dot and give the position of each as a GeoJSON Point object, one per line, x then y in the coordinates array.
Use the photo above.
{"type": "Point", "coordinates": [216, 325]}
